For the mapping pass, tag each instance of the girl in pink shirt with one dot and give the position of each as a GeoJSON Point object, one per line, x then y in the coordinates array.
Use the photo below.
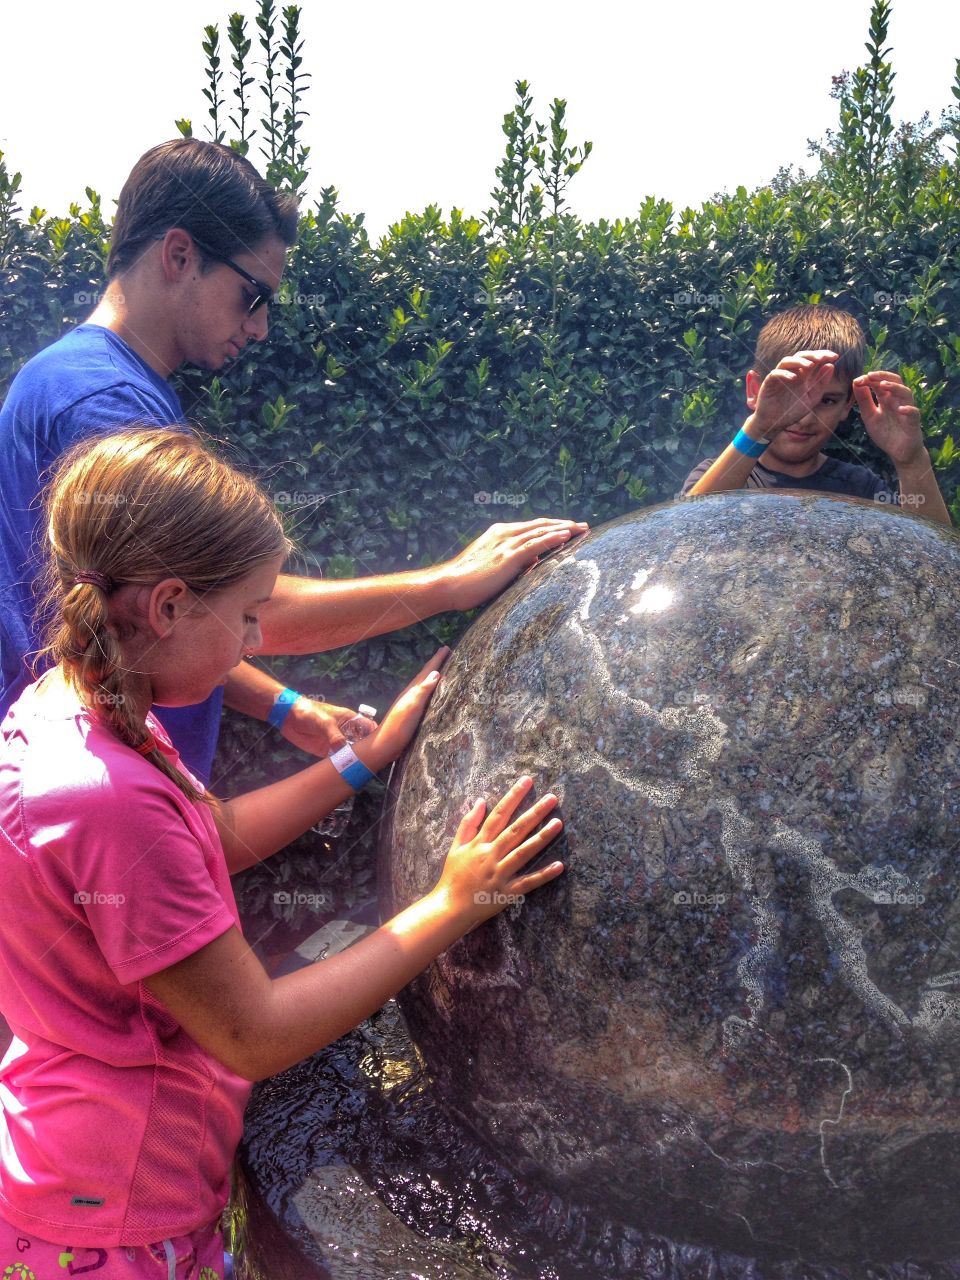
{"type": "Point", "coordinates": [140, 1016]}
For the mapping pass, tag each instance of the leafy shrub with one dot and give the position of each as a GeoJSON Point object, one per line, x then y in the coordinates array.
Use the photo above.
{"type": "Point", "coordinates": [470, 368]}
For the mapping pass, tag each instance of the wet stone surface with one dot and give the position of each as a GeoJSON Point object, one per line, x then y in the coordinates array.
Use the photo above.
{"type": "Point", "coordinates": [735, 1020]}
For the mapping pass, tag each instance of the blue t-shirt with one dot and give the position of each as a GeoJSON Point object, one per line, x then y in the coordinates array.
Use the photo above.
{"type": "Point", "coordinates": [87, 383]}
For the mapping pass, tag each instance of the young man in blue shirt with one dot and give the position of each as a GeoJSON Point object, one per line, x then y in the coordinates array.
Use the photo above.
{"type": "Point", "coordinates": [198, 248]}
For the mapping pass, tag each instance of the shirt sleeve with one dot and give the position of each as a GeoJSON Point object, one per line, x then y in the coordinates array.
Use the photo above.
{"type": "Point", "coordinates": [110, 409]}
{"type": "Point", "coordinates": [137, 870]}
{"type": "Point", "coordinates": [699, 470]}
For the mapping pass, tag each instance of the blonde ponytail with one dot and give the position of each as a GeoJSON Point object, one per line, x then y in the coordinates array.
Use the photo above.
{"type": "Point", "coordinates": [138, 506]}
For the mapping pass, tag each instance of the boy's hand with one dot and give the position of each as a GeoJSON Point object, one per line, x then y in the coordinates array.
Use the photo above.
{"type": "Point", "coordinates": [891, 419]}
{"type": "Point", "coordinates": [792, 390]}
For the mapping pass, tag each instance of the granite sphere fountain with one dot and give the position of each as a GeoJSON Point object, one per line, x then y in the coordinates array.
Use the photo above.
{"type": "Point", "coordinates": [735, 1019]}
{"type": "Point", "coordinates": [725, 1041]}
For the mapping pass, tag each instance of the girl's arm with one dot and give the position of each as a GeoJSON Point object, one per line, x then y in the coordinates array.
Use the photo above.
{"type": "Point", "coordinates": [258, 823]}
{"type": "Point", "coordinates": [257, 1026]}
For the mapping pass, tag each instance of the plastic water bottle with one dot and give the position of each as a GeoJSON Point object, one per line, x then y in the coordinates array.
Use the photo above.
{"type": "Point", "coordinates": [360, 725]}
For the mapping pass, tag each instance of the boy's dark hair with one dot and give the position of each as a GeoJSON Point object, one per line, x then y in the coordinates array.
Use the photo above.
{"type": "Point", "coordinates": [812, 327]}
{"type": "Point", "coordinates": [205, 188]}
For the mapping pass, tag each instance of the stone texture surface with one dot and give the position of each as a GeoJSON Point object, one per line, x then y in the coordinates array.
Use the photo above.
{"type": "Point", "coordinates": [736, 1018]}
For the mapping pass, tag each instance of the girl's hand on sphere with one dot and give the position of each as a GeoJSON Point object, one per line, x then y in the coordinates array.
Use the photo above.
{"type": "Point", "coordinates": [401, 722]}
{"type": "Point", "coordinates": [483, 872]}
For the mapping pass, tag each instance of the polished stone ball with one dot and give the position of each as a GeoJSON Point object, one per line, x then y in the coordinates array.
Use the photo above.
{"type": "Point", "coordinates": [735, 1019]}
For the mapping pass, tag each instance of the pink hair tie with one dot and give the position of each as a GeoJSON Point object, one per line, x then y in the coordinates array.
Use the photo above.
{"type": "Point", "coordinates": [95, 579]}
{"type": "Point", "coordinates": [149, 744]}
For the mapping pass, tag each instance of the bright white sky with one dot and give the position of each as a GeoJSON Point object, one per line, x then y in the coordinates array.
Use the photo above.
{"type": "Point", "coordinates": [681, 100]}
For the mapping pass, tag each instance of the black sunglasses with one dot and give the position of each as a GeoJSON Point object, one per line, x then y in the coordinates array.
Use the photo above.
{"type": "Point", "coordinates": [262, 293]}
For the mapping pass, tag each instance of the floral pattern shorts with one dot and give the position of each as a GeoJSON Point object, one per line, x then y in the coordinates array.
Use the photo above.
{"type": "Point", "coordinates": [198, 1256]}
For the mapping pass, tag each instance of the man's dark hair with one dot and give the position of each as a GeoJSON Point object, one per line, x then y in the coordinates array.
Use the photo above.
{"type": "Point", "coordinates": [207, 189]}
{"type": "Point", "coordinates": [811, 327]}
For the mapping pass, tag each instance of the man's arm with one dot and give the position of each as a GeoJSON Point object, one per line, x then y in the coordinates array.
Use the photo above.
{"type": "Point", "coordinates": [314, 727]}
{"type": "Point", "coordinates": [892, 422]}
{"type": "Point", "coordinates": [312, 615]}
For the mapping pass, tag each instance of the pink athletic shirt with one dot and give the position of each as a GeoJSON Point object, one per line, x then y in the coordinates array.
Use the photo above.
{"type": "Point", "coordinates": [116, 1127]}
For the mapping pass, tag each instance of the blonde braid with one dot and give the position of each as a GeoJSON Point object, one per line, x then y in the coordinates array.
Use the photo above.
{"type": "Point", "coordinates": [92, 661]}
{"type": "Point", "coordinates": [141, 505]}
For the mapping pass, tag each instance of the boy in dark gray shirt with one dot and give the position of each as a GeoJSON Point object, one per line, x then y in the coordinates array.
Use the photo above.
{"type": "Point", "coordinates": [807, 372]}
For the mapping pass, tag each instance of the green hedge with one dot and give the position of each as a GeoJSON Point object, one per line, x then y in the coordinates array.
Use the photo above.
{"type": "Point", "coordinates": [550, 366]}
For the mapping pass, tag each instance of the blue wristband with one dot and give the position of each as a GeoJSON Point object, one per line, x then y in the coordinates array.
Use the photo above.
{"type": "Point", "coordinates": [350, 768]}
{"type": "Point", "coordinates": [752, 448]}
{"type": "Point", "coordinates": [281, 707]}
